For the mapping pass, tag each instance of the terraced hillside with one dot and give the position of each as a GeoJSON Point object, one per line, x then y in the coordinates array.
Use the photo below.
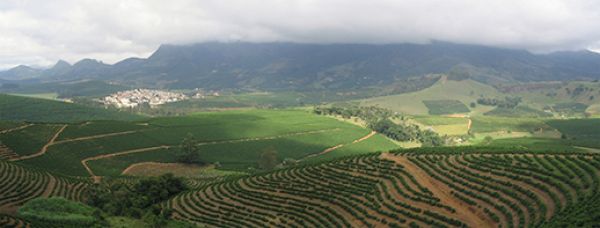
{"type": "Point", "coordinates": [400, 189]}
{"type": "Point", "coordinates": [19, 185]}
{"type": "Point", "coordinates": [13, 222]}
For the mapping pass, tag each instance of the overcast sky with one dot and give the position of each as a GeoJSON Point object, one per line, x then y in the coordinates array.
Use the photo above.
{"type": "Point", "coordinates": [39, 32]}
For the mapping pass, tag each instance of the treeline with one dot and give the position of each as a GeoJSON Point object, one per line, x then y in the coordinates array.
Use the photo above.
{"type": "Point", "coordinates": [380, 120]}
{"type": "Point", "coordinates": [508, 102]}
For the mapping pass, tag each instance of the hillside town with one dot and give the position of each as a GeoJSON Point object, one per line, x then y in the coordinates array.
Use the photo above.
{"type": "Point", "coordinates": [136, 97]}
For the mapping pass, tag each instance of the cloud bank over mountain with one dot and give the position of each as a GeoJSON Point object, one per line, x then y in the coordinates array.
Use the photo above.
{"type": "Point", "coordinates": [36, 32]}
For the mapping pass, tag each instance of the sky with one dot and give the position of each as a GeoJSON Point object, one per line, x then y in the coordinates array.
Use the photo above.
{"type": "Point", "coordinates": [40, 32]}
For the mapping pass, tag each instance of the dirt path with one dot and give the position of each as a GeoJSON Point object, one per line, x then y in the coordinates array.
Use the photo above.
{"type": "Point", "coordinates": [94, 137]}
{"type": "Point", "coordinates": [341, 145]}
{"type": "Point", "coordinates": [16, 128]}
{"type": "Point", "coordinates": [365, 137]}
{"type": "Point", "coordinates": [464, 212]}
{"type": "Point", "coordinates": [469, 124]}
{"type": "Point", "coordinates": [44, 148]}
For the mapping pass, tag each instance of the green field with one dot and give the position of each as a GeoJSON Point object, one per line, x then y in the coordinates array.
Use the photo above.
{"type": "Point", "coordinates": [235, 139]}
{"type": "Point", "coordinates": [537, 144]}
{"type": "Point", "coordinates": [518, 112]}
{"type": "Point", "coordinates": [579, 132]}
{"type": "Point", "coordinates": [374, 144]}
{"type": "Point", "coordinates": [493, 124]}
{"type": "Point", "coordinates": [29, 140]}
{"type": "Point", "coordinates": [5, 125]}
{"type": "Point", "coordinates": [444, 125]}
{"type": "Point", "coordinates": [440, 120]}
{"type": "Point", "coordinates": [99, 127]}
{"type": "Point", "coordinates": [443, 107]}
{"type": "Point", "coordinates": [17, 108]}
{"type": "Point", "coordinates": [465, 91]}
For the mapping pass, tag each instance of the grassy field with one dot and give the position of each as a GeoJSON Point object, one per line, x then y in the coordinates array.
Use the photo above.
{"type": "Point", "coordinates": [17, 108]}
{"type": "Point", "coordinates": [235, 139]}
{"type": "Point", "coordinates": [451, 126]}
{"type": "Point", "coordinates": [443, 107]}
{"type": "Point", "coordinates": [465, 91]}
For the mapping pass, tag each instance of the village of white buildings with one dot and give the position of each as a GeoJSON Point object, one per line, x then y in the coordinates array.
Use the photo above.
{"type": "Point", "coordinates": [134, 98]}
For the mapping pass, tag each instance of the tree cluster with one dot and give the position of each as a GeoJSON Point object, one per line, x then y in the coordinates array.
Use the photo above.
{"type": "Point", "coordinates": [368, 114]}
{"type": "Point", "coordinates": [508, 102]}
{"type": "Point", "coordinates": [138, 200]}
{"type": "Point", "coordinates": [407, 132]}
{"type": "Point", "coordinates": [379, 120]}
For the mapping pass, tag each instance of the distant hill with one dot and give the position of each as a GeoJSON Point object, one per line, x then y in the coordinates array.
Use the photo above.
{"type": "Point", "coordinates": [321, 66]}
{"type": "Point", "coordinates": [20, 73]}
{"type": "Point", "coordinates": [17, 108]}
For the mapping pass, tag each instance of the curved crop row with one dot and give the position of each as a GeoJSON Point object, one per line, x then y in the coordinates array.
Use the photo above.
{"type": "Point", "coordinates": [402, 190]}
{"type": "Point", "coordinates": [19, 185]}
{"type": "Point", "coordinates": [8, 221]}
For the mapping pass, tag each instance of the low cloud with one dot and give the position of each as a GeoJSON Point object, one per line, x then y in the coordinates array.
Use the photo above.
{"type": "Point", "coordinates": [37, 32]}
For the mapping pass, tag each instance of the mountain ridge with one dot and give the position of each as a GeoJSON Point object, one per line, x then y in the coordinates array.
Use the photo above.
{"type": "Point", "coordinates": [320, 66]}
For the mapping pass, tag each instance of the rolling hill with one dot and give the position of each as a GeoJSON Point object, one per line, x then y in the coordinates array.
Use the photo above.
{"type": "Point", "coordinates": [414, 103]}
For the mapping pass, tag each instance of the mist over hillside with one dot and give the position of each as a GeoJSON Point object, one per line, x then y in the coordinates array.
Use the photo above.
{"type": "Point", "coordinates": [277, 66]}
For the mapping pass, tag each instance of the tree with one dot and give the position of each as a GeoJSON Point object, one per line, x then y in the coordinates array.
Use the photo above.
{"type": "Point", "coordinates": [189, 151]}
{"type": "Point", "coordinates": [487, 140]}
{"type": "Point", "coordinates": [268, 159]}
{"type": "Point", "coordinates": [473, 105]}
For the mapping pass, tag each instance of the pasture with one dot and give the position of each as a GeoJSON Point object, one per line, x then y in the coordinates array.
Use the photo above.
{"type": "Point", "coordinates": [451, 126]}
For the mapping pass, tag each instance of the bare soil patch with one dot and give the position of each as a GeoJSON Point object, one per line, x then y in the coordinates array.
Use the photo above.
{"type": "Point", "coordinates": [177, 169]}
